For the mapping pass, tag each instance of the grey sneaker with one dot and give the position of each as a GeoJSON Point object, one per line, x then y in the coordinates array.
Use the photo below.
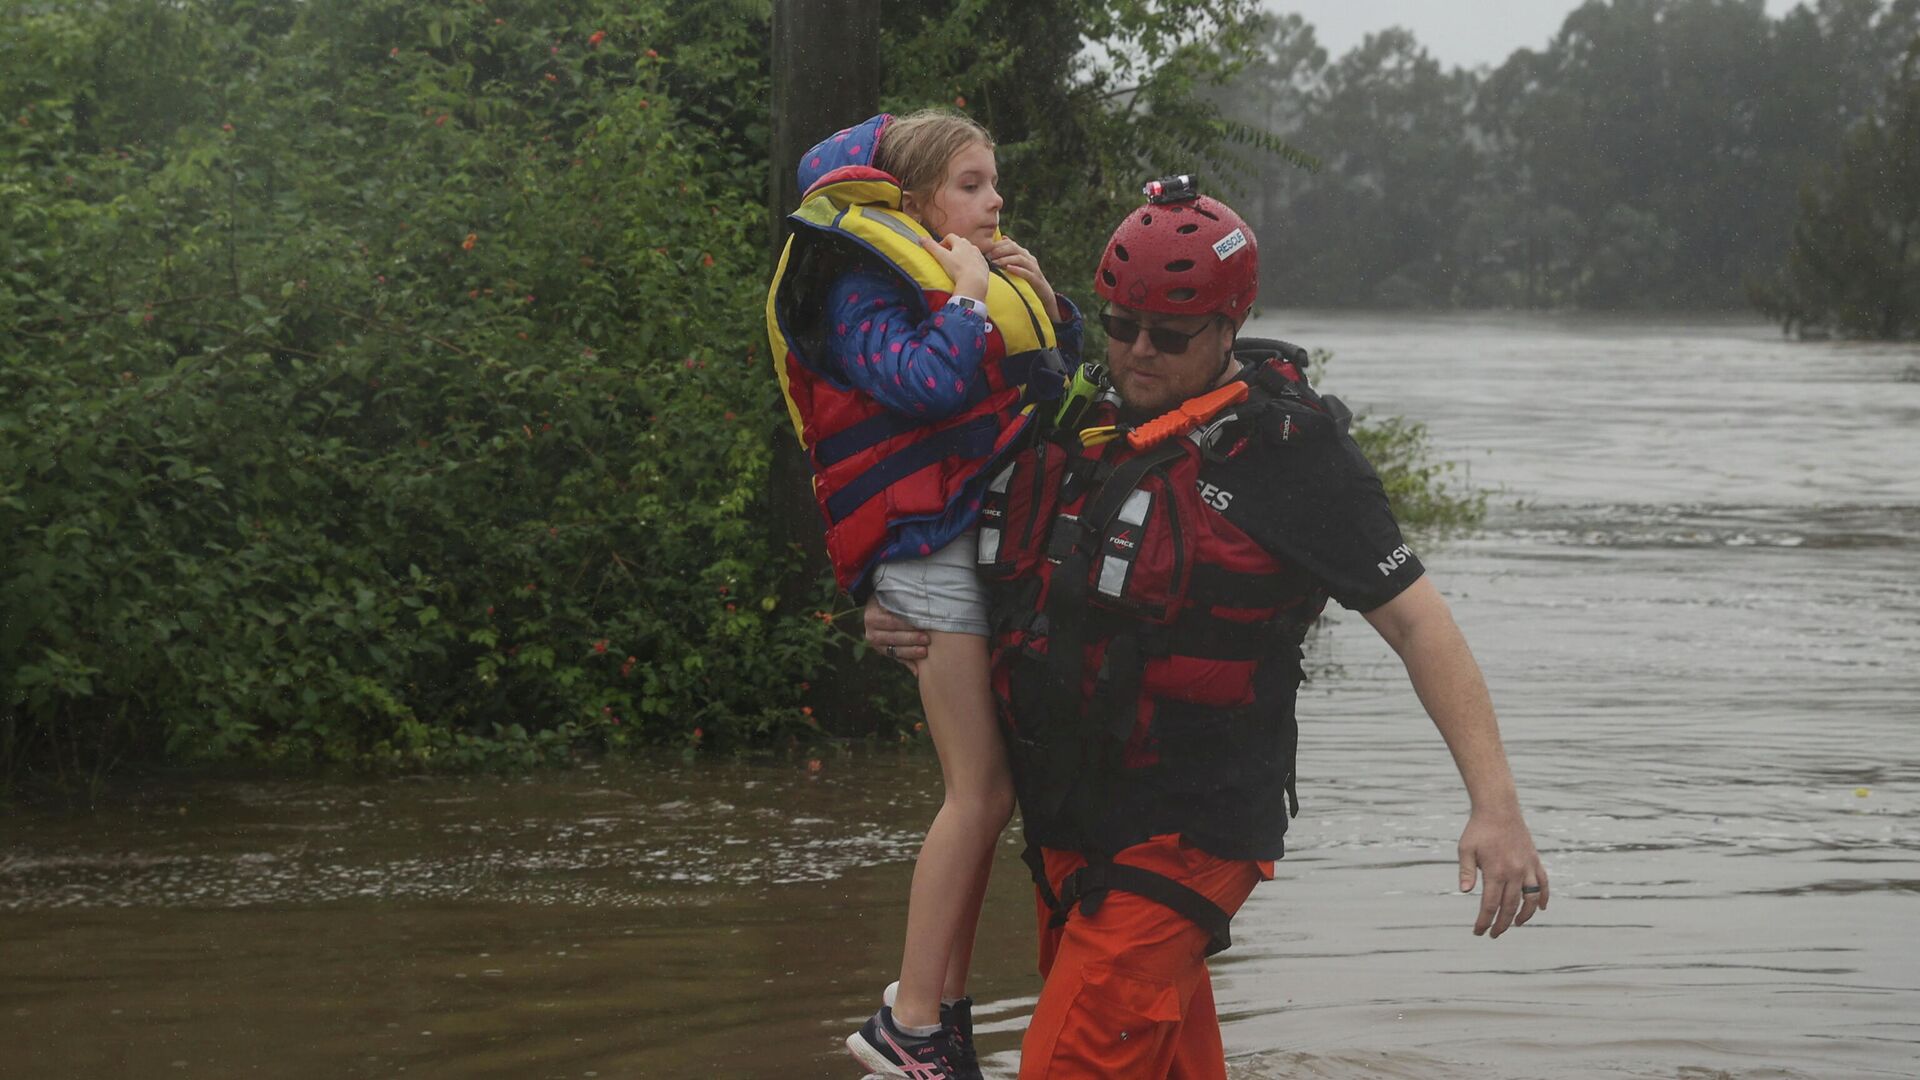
{"type": "Point", "coordinates": [890, 1052]}
{"type": "Point", "coordinates": [957, 1021]}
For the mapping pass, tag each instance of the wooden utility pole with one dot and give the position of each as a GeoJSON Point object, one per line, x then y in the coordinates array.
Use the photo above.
{"type": "Point", "coordinates": [826, 76]}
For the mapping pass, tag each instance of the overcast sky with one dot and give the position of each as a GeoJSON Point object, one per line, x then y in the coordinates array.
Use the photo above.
{"type": "Point", "coordinates": [1462, 32]}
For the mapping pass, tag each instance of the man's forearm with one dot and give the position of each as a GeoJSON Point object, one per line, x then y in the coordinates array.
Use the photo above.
{"type": "Point", "coordinates": [1420, 628]}
{"type": "Point", "coordinates": [1450, 686]}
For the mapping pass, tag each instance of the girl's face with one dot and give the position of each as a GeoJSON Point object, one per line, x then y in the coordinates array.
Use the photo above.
{"type": "Point", "coordinates": [967, 203]}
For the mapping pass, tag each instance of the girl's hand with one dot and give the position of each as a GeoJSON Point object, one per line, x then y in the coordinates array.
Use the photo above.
{"type": "Point", "coordinates": [1020, 262]}
{"type": "Point", "coordinates": [963, 263]}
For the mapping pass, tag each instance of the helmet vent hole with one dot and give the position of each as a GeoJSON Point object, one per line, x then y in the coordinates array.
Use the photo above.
{"type": "Point", "coordinates": [1179, 266]}
{"type": "Point", "coordinates": [1182, 294]}
{"type": "Point", "coordinates": [1120, 252]}
{"type": "Point", "coordinates": [1107, 276]}
{"type": "Point", "coordinates": [1205, 214]}
{"type": "Point", "coordinates": [1146, 219]}
{"type": "Point", "coordinates": [1188, 228]}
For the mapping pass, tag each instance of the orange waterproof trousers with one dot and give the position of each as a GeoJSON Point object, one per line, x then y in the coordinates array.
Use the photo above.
{"type": "Point", "coordinates": [1127, 993]}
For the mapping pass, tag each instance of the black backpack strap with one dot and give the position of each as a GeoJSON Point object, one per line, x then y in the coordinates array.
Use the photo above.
{"type": "Point", "coordinates": [1037, 867]}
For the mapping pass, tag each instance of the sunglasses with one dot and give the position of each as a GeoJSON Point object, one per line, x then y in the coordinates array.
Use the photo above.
{"type": "Point", "coordinates": [1127, 331]}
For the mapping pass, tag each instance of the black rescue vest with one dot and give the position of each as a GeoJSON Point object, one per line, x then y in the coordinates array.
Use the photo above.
{"type": "Point", "coordinates": [1146, 651]}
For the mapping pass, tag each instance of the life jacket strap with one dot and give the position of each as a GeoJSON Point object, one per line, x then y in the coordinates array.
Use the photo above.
{"type": "Point", "coordinates": [1088, 887]}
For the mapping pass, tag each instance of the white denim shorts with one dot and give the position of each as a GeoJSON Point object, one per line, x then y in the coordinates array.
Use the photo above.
{"type": "Point", "coordinates": [941, 591]}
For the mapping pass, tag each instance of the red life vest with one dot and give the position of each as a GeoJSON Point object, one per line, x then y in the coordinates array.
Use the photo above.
{"type": "Point", "coordinates": [875, 469]}
{"type": "Point", "coordinates": [1146, 650]}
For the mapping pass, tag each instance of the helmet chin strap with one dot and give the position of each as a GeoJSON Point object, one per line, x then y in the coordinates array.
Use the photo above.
{"type": "Point", "coordinates": [1226, 357]}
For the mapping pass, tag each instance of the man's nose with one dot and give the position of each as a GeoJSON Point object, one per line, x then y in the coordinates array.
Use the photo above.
{"type": "Point", "coordinates": [1142, 343]}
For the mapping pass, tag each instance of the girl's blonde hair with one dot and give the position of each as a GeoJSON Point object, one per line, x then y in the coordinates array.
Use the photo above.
{"type": "Point", "coordinates": [917, 147]}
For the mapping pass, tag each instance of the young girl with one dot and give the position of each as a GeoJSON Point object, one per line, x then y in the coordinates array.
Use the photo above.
{"type": "Point", "coordinates": [905, 327]}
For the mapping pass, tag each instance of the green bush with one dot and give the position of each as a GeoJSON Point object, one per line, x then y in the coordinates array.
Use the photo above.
{"type": "Point", "coordinates": [377, 384]}
{"type": "Point", "coordinates": [381, 382]}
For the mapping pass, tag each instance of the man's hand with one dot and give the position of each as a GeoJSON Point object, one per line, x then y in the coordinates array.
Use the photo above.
{"type": "Point", "coordinates": [1501, 850]}
{"type": "Point", "coordinates": [1495, 844]}
{"type": "Point", "coordinates": [894, 637]}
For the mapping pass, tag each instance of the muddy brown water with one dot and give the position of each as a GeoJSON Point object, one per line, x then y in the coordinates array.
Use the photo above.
{"type": "Point", "coordinates": [1696, 599]}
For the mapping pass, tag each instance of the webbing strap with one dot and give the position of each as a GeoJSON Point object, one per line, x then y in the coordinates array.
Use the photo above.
{"type": "Point", "coordinates": [1089, 885]}
{"type": "Point", "coordinates": [1037, 866]}
{"type": "Point", "coordinates": [1067, 606]}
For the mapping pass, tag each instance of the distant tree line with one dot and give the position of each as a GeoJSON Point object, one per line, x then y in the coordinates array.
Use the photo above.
{"type": "Point", "coordinates": [1652, 155]}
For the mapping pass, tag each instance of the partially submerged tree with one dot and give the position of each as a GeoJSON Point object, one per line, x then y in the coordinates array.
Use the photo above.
{"type": "Point", "coordinates": [1855, 262]}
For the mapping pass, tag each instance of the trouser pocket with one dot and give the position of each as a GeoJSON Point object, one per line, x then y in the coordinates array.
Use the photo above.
{"type": "Point", "coordinates": [1120, 1023]}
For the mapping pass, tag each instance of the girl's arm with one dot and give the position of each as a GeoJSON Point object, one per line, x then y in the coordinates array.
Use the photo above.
{"type": "Point", "coordinates": [919, 367]}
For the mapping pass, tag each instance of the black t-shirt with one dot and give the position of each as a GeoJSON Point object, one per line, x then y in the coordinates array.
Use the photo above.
{"type": "Point", "coordinates": [1303, 490]}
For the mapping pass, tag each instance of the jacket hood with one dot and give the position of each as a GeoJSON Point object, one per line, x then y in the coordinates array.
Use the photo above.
{"type": "Point", "coordinates": [848, 148]}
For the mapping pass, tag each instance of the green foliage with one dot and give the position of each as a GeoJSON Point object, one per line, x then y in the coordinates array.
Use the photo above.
{"type": "Point", "coordinates": [1855, 262]}
{"type": "Point", "coordinates": [376, 385]}
{"type": "Point", "coordinates": [1080, 128]}
{"type": "Point", "coordinates": [379, 380]}
{"type": "Point", "coordinates": [1646, 157]}
{"type": "Point", "coordinates": [1425, 498]}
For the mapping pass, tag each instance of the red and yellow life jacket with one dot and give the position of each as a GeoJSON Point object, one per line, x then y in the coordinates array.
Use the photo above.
{"type": "Point", "coordinates": [875, 469]}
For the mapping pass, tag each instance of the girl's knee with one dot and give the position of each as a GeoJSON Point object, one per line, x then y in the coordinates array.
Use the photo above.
{"type": "Point", "coordinates": [1000, 804]}
{"type": "Point", "coordinates": [991, 806]}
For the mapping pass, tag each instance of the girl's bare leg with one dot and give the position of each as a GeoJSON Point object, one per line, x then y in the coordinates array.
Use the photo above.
{"type": "Point", "coordinates": [949, 881]}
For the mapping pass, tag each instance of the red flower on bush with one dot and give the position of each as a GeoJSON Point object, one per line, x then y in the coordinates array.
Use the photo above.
{"type": "Point", "coordinates": [651, 55]}
{"type": "Point", "coordinates": [600, 646]}
{"type": "Point", "coordinates": [594, 41]}
{"type": "Point", "coordinates": [706, 259]}
{"type": "Point", "coordinates": [531, 586]}
{"type": "Point", "coordinates": [551, 77]}
{"type": "Point", "coordinates": [467, 244]}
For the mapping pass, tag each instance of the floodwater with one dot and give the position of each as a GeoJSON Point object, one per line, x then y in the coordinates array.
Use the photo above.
{"type": "Point", "coordinates": [1695, 600]}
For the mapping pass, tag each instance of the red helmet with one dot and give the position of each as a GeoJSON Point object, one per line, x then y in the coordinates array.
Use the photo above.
{"type": "Point", "coordinates": [1181, 254]}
